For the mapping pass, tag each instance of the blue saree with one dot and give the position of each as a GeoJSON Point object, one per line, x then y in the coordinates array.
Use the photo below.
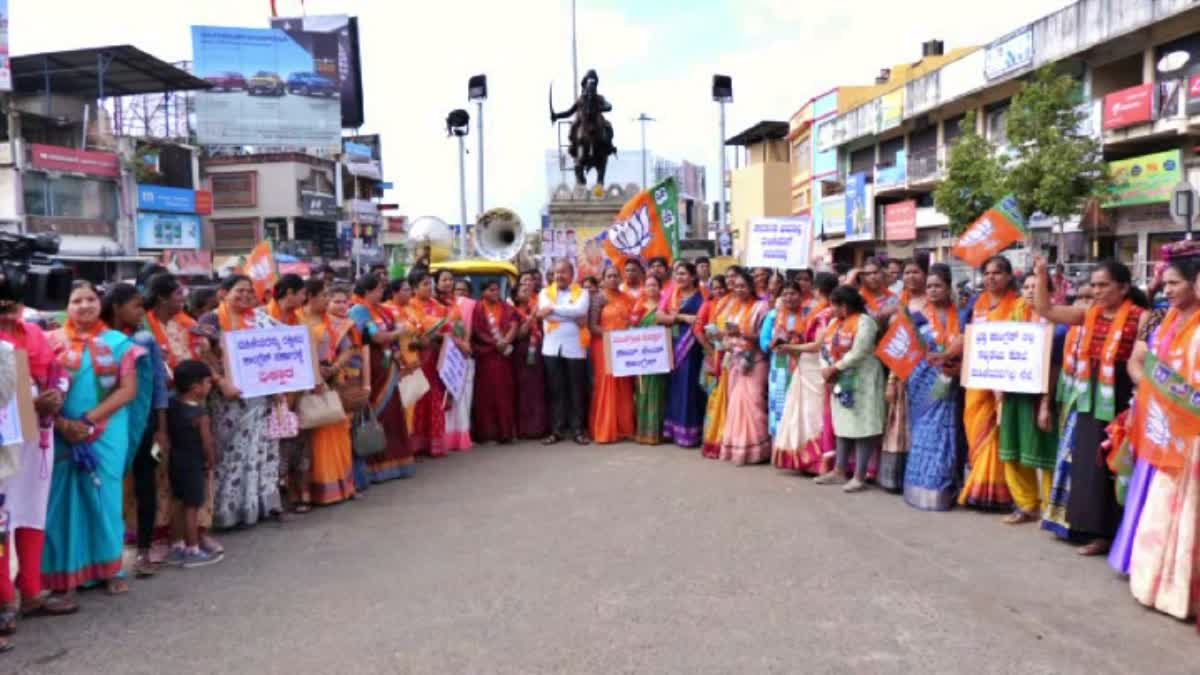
{"type": "Point", "coordinates": [931, 473]}
{"type": "Point", "coordinates": [686, 399]}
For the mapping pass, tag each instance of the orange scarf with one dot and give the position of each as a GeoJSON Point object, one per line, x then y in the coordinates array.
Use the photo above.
{"type": "Point", "coordinates": [160, 334]}
{"type": "Point", "coordinates": [944, 331]}
{"type": "Point", "coordinates": [103, 362]}
{"type": "Point", "coordinates": [231, 319]}
{"type": "Point", "coordinates": [877, 301]}
{"type": "Point", "coordinates": [1106, 395]}
{"type": "Point", "coordinates": [737, 311]}
{"type": "Point", "coordinates": [811, 315]}
{"type": "Point", "coordinates": [575, 290]}
{"type": "Point", "coordinates": [291, 318]}
{"type": "Point", "coordinates": [1001, 312]}
{"type": "Point", "coordinates": [839, 337]}
{"type": "Point", "coordinates": [1171, 350]}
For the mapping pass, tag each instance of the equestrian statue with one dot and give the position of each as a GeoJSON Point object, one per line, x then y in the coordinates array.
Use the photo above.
{"type": "Point", "coordinates": [591, 135]}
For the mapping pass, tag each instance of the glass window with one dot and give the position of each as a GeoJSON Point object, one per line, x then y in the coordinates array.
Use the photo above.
{"type": "Point", "coordinates": [70, 197]}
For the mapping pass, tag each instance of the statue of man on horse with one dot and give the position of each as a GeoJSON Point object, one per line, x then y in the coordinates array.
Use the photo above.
{"type": "Point", "coordinates": [591, 135]}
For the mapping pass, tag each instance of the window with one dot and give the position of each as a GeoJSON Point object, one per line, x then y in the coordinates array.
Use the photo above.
{"type": "Point", "coordinates": [70, 197]}
{"type": "Point", "coordinates": [952, 129]}
{"type": "Point", "coordinates": [802, 157]}
{"type": "Point", "coordinates": [863, 161]}
{"type": "Point", "coordinates": [996, 123]}
{"type": "Point", "coordinates": [235, 189]}
{"type": "Point", "coordinates": [234, 236]}
{"type": "Point", "coordinates": [888, 150]}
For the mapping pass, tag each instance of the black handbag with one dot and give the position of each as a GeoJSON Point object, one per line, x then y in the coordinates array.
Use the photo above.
{"type": "Point", "coordinates": [369, 438]}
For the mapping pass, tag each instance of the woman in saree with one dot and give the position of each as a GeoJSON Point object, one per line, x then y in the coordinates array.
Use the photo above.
{"type": "Point", "coordinates": [352, 376]}
{"type": "Point", "coordinates": [493, 332]}
{"type": "Point", "coordinates": [1028, 436]}
{"type": "Point", "coordinates": [246, 479]}
{"type": "Point", "coordinates": [611, 418]}
{"type": "Point", "coordinates": [932, 472]}
{"type": "Point", "coordinates": [458, 415]}
{"type": "Point", "coordinates": [650, 396]}
{"type": "Point", "coordinates": [434, 323]}
{"type": "Point", "coordinates": [388, 362]}
{"type": "Point", "coordinates": [985, 486]}
{"type": "Point", "coordinates": [714, 378]}
{"type": "Point", "coordinates": [779, 338]}
{"type": "Point", "coordinates": [894, 447]}
{"type": "Point", "coordinates": [851, 368]}
{"type": "Point", "coordinates": [286, 307]}
{"type": "Point", "coordinates": [528, 367]}
{"type": "Point", "coordinates": [1164, 566]}
{"type": "Point", "coordinates": [95, 435]}
{"type": "Point", "coordinates": [1100, 391]}
{"type": "Point", "coordinates": [332, 474]}
{"type": "Point", "coordinates": [873, 287]}
{"type": "Point", "coordinates": [745, 439]}
{"type": "Point", "coordinates": [805, 440]}
{"type": "Point", "coordinates": [684, 419]}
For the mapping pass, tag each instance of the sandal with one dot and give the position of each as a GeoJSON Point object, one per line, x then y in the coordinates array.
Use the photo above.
{"type": "Point", "coordinates": [8, 621]}
{"type": "Point", "coordinates": [551, 439]}
{"type": "Point", "coordinates": [5, 645]}
{"type": "Point", "coordinates": [143, 568]}
{"type": "Point", "coordinates": [302, 508]}
{"type": "Point", "coordinates": [1095, 547]}
{"type": "Point", "coordinates": [1020, 518]}
{"type": "Point", "coordinates": [50, 604]}
{"type": "Point", "coordinates": [116, 586]}
{"type": "Point", "coordinates": [582, 439]}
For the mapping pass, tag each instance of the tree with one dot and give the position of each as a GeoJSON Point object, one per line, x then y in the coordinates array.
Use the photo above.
{"type": "Point", "coordinates": [1056, 166]}
{"type": "Point", "coordinates": [974, 178]}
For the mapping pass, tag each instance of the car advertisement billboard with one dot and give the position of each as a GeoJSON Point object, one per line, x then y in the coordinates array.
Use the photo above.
{"type": "Point", "coordinates": [267, 89]}
{"type": "Point", "coordinates": [333, 41]}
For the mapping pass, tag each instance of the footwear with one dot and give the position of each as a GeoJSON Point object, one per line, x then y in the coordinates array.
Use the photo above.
{"type": "Point", "coordinates": [551, 439]}
{"type": "Point", "coordinates": [142, 567]}
{"type": "Point", "coordinates": [1020, 518]}
{"type": "Point", "coordinates": [855, 485]}
{"type": "Point", "coordinates": [176, 556]}
{"type": "Point", "coordinates": [5, 645]}
{"type": "Point", "coordinates": [158, 553]}
{"type": "Point", "coordinates": [50, 604]}
{"type": "Point", "coordinates": [1095, 547]}
{"type": "Point", "coordinates": [199, 558]}
{"type": "Point", "coordinates": [582, 439]}
{"type": "Point", "coordinates": [116, 586]}
{"type": "Point", "coordinates": [829, 478]}
{"type": "Point", "coordinates": [207, 543]}
{"type": "Point", "coordinates": [8, 621]}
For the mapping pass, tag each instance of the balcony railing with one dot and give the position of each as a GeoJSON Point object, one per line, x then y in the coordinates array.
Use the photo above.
{"type": "Point", "coordinates": [925, 165]}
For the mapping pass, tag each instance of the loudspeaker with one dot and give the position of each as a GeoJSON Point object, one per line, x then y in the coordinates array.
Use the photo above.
{"type": "Point", "coordinates": [722, 88]}
{"type": "Point", "coordinates": [477, 87]}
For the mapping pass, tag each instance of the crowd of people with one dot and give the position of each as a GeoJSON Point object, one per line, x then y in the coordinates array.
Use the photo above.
{"type": "Point", "coordinates": [142, 432]}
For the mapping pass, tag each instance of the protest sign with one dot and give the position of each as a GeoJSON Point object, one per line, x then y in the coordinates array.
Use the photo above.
{"type": "Point", "coordinates": [991, 233]}
{"type": "Point", "coordinates": [638, 351]}
{"type": "Point", "coordinates": [276, 360]}
{"type": "Point", "coordinates": [18, 419]}
{"type": "Point", "coordinates": [452, 368]}
{"type": "Point", "coordinates": [779, 243]}
{"type": "Point", "coordinates": [1166, 415]}
{"type": "Point", "coordinates": [1011, 356]}
{"type": "Point", "coordinates": [901, 348]}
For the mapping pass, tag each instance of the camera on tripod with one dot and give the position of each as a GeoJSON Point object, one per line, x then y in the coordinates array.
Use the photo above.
{"type": "Point", "coordinates": [30, 276]}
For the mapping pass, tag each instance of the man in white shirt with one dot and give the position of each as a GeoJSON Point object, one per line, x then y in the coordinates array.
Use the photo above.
{"type": "Point", "coordinates": [563, 308]}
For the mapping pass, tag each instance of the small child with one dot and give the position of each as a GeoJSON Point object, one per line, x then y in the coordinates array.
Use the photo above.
{"type": "Point", "coordinates": [192, 454]}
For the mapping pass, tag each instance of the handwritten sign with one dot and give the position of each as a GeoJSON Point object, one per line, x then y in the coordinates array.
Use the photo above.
{"type": "Point", "coordinates": [1011, 356]}
{"type": "Point", "coordinates": [266, 361]}
{"type": "Point", "coordinates": [452, 368]}
{"type": "Point", "coordinates": [18, 419]}
{"type": "Point", "coordinates": [638, 351]}
{"type": "Point", "coordinates": [780, 243]}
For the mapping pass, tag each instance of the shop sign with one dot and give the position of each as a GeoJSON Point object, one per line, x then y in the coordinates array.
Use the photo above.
{"type": "Point", "coordinates": [168, 230]}
{"type": "Point", "coordinates": [316, 205]}
{"type": "Point", "coordinates": [860, 216]}
{"type": "Point", "coordinates": [168, 199]}
{"type": "Point", "coordinates": [1144, 180]}
{"type": "Point", "coordinates": [204, 202]}
{"type": "Point", "coordinates": [1129, 106]}
{"type": "Point", "coordinates": [1009, 54]}
{"type": "Point", "coordinates": [833, 216]}
{"type": "Point", "coordinates": [58, 158]}
{"type": "Point", "coordinates": [188, 263]}
{"type": "Point", "coordinates": [900, 220]}
{"type": "Point", "coordinates": [1193, 95]}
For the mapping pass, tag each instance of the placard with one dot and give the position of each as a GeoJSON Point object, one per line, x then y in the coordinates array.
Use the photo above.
{"type": "Point", "coordinates": [1012, 356]}
{"type": "Point", "coordinates": [266, 361]}
{"type": "Point", "coordinates": [452, 368]}
{"type": "Point", "coordinates": [779, 243]}
{"type": "Point", "coordinates": [638, 351]}
{"type": "Point", "coordinates": [18, 419]}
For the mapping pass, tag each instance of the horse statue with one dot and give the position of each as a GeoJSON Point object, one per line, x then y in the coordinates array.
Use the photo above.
{"type": "Point", "coordinates": [591, 135]}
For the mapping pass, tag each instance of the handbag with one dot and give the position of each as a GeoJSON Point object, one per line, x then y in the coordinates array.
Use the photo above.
{"type": "Point", "coordinates": [282, 423]}
{"type": "Point", "coordinates": [318, 410]}
{"type": "Point", "coordinates": [369, 438]}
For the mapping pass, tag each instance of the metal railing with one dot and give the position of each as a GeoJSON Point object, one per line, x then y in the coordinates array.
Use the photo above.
{"type": "Point", "coordinates": [924, 164]}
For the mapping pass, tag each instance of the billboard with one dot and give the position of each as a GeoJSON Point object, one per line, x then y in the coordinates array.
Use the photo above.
{"type": "Point", "coordinates": [1144, 180]}
{"type": "Point", "coordinates": [333, 41]}
{"type": "Point", "coordinates": [267, 90]}
{"type": "Point", "coordinates": [5, 69]}
{"type": "Point", "coordinates": [168, 230]}
{"type": "Point", "coordinates": [363, 155]}
{"type": "Point", "coordinates": [169, 199]}
{"type": "Point", "coordinates": [59, 158]}
{"type": "Point", "coordinates": [860, 209]}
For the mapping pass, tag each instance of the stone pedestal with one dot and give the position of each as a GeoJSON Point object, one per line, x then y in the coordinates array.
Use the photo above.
{"type": "Point", "coordinates": [580, 208]}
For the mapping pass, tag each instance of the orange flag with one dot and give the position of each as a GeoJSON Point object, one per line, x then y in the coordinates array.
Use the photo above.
{"type": "Point", "coordinates": [901, 348]}
{"type": "Point", "coordinates": [260, 267]}
{"type": "Point", "coordinates": [991, 233]}
{"type": "Point", "coordinates": [1166, 415]}
{"type": "Point", "coordinates": [638, 231]}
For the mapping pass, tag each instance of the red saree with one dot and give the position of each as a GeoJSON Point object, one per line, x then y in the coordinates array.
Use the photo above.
{"type": "Point", "coordinates": [493, 415]}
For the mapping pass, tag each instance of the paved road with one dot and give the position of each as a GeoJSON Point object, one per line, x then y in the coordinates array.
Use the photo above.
{"type": "Point", "coordinates": [621, 559]}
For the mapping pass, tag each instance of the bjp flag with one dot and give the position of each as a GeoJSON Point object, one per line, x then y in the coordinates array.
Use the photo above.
{"type": "Point", "coordinates": [1166, 415]}
{"type": "Point", "coordinates": [647, 226]}
{"type": "Point", "coordinates": [260, 267]}
{"type": "Point", "coordinates": [901, 348]}
{"type": "Point", "coordinates": [991, 233]}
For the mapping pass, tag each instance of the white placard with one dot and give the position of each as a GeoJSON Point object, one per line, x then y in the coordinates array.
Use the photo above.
{"type": "Point", "coordinates": [780, 243]}
{"type": "Point", "coordinates": [10, 424]}
{"type": "Point", "coordinates": [1012, 356]}
{"type": "Point", "coordinates": [638, 351]}
{"type": "Point", "coordinates": [265, 361]}
{"type": "Point", "coordinates": [452, 368]}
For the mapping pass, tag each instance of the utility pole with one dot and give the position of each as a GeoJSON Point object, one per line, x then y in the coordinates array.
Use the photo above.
{"type": "Point", "coordinates": [574, 56]}
{"type": "Point", "coordinates": [643, 118]}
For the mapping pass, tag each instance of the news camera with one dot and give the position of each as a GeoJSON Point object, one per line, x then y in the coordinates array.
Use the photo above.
{"type": "Point", "coordinates": [29, 275]}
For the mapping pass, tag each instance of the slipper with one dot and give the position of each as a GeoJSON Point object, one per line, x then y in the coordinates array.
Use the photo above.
{"type": "Point", "coordinates": [302, 508]}
{"type": "Point", "coordinates": [551, 439]}
{"type": "Point", "coordinates": [116, 587]}
{"type": "Point", "coordinates": [51, 605]}
{"type": "Point", "coordinates": [1095, 547]}
{"type": "Point", "coordinates": [8, 621]}
{"type": "Point", "coordinates": [1020, 518]}
{"type": "Point", "coordinates": [582, 439]}
{"type": "Point", "coordinates": [5, 646]}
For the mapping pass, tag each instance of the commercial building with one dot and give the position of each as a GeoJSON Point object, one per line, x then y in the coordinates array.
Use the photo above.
{"type": "Point", "coordinates": [760, 181]}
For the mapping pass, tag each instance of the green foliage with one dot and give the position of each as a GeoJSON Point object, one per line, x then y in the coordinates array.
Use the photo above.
{"type": "Point", "coordinates": [974, 178]}
{"type": "Point", "coordinates": [1053, 167]}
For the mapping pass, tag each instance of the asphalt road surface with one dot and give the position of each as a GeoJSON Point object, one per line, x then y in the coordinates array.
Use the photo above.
{"type": "Point", "coordinates": [620, 559]}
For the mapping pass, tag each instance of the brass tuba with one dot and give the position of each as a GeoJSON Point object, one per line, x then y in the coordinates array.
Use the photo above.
{"type": "Point", "coordinates": [499, 234]}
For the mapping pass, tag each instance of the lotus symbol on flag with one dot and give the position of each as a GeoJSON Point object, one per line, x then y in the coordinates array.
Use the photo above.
{"type": "Point", "coordinates": [1158, 428]}
{"type": "Point", "coordinates": [260, 269]}
{"type": "Point", "coordinates": [897, 347]}
{"type": "Point", "coordinates": [978, 234]}
{"type": "Point", "coordinates": [632, 235]}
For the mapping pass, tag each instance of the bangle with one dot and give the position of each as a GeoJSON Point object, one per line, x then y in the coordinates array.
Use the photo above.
{"type": "Point", "coordinates": [86, 420]}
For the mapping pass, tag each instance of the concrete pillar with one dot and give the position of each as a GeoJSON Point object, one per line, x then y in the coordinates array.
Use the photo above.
{"type": "Point", "coordinates": [1148, 64]}
{"type": "Point", "coordinates": [1143, 257]}
{"type": "Point", "coordinates": [291, 228]}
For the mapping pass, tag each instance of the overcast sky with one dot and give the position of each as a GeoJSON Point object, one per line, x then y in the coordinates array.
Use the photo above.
{"type": "Point", "coordinates": [654, 57]}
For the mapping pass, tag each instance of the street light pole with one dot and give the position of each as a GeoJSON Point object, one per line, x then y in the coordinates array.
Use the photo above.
{"type": "Point", "coordinates": [722, 217]}
{"type": "Point", "coordinates": [479, 102]}
{"type": "Point", "coordinates": [462, 194]}
{"type": "Point", "coordinates": [643, 118]}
